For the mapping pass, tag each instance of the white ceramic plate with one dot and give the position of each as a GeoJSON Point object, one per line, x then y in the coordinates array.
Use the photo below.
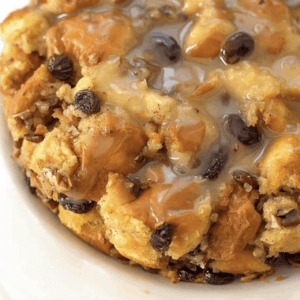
{"type": "Point", "coordinates": [41, 259]}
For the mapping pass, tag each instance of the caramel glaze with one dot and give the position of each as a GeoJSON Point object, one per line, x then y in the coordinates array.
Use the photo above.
{"type": "Point", "coordinates": [110, 147]}
{"type": "Point", "coordinates": [188, 137]}
{"type": "Point", "coordinates": [175, 203]}
{"type": "Point", "coordinates": [29, 92]}
{"type": "Point", "coordinates": [236, 226]}
{"type": "Point", "coordinates": [90, 38]}
{"type": "Point", "coordinates": [165, 202]}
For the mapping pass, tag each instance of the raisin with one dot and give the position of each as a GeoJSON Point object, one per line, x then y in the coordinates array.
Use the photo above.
{"type": "Point", "coordinates": [292, 218]}
{"type": "Point", "coordinates": [195, 252]}
{"type": "Point", "coordinates": [167, 46]}
{"type": "Point", "coordinates": [27, 179]}
{"type": "Point", "coordinates": [244, 177]}
{"type": "Point", "coordinates": [246, 135]}
{"type": "Point", "coordinates": [215, 163]}
{"type": "Point", "coordinates": [277, 261]}
{"type": "Point", "coordinates": [136, 189]}
{"type": "Point", "coordinates": [87, 101]}
{"type": "Point", "coordinates": [60, 66]}
{"type": "Point", "coordinates": [217, 278]}
{"type": "Point", "coordinates": [293, 258]}
{"type": "Point", "coordinates": [189, 272]}
{"type": "Point", "coordinates": [78, 207]}
{"type": "Point", "coordinates": [161, 238]}
{"type": "Point", "coordinates": [238, 46]}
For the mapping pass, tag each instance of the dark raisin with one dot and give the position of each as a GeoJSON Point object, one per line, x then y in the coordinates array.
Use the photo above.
{"type": "Point", "coordinates": [292, 218]}
{"type": "Point", "coordinates": [277, 261]}
{"type": "Point", "coordinates": [78, 207]}
{"type": "Point", "coordinates": [60, 66]}
{"type": "Point", "coordinates": [136, 189]}
{"type": "Point", "coordinates": [167, 46]}
{"type": "Point", "coordinates": [195, 252]}
{"type": "Point", "coordinates": [27, 179]}
{"type": "Point", "coordinates": [162, 237]}
{"type": "Point", "coordinates": [238, 46]}
{"type": "Point", "coordinates": [87, 101]}
{"type": "Point", "coordinates": [189, 272]}
{"type": "Point", "coordinates": [246, 135]}
{"type": "Point", "coordinates": [215, 163]}
{"type": "Point", "coordinates": [244, 177]}
{"type": "Point", "coordinates": [293, 258]}
{"type": "Point", "coordinates": [217, 278]}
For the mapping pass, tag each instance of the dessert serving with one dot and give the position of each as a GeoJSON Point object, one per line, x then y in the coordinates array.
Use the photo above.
{"type": "Point", "coordinates": [163, 133]}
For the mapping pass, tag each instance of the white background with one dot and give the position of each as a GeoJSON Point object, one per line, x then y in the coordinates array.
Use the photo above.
{"type": "Point", "coordinates": [40, 259]}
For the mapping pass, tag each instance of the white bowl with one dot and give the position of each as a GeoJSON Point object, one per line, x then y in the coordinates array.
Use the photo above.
{"type": "Point", "coordinates": [41, 259]}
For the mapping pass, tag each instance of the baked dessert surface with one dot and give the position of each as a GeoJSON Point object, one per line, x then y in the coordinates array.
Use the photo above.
{"type": "Point", "coordinates": [163, 133]}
